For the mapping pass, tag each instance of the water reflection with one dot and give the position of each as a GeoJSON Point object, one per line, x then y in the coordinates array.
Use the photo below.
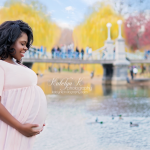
{"type": "Point", "coordinates": [69, 127]}
{"type": "Point", "coordinates": [102, 90]}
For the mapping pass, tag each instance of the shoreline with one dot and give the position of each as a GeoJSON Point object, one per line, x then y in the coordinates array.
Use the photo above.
{"type": "Point", "coordinates": [86, 78]}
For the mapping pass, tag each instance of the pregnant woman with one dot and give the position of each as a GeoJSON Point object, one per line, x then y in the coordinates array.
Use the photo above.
{"type": "Point", "coordinates": [23, 104]}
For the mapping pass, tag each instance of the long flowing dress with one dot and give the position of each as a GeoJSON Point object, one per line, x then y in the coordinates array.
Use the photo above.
{"type": "Point", "coordinates": [25, 100]}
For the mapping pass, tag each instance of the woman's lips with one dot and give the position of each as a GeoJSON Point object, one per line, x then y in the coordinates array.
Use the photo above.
{"type": "Point", "coordinates": [22, 54]}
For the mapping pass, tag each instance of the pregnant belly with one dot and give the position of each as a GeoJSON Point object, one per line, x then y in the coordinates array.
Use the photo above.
{"type": "Point", "coordinates": [39, 109]}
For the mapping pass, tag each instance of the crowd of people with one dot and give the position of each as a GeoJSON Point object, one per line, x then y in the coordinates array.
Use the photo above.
{"type": "Point", "coordinates": [65, 51]}
{"type": "Point", "coordinates": [70, 52]}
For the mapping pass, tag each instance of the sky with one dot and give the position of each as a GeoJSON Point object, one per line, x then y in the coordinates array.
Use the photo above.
{"type": "Point", "coordinates": [69, 13]}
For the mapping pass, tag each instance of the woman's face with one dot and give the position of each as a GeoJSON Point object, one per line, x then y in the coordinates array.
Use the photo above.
{"type": "Point", "coordinates": [20, 46]}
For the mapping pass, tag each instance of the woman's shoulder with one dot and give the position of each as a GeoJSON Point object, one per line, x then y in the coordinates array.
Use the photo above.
{"type": "Point", "coordinates": [2, 65]}
{"type": "Point", "coordinates": [23, 65]}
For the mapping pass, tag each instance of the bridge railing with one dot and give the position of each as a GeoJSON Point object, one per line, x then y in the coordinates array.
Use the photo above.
{"type": "Point", "coordinates": [98, 54]}
{"type": "Point", "coordinates": [34, 53]}
{"type": "Point", "coordinates": [138, 55]}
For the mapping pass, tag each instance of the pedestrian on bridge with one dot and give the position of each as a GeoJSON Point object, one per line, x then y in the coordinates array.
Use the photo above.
{"type": "Point", "coordinates": [135, 71]}
{"type": "Point", "coordinates": [131, 72]}
{"type": "Point", "coordinates": [82, 53]}
{"type": "Point", "coordinates": [52, 51]}
{"type": "Point", "coordinates": [38, 52]}
{"type": "Point", "coordinates": [45, 52]}
{"type": "Point", "coordinates": [77, 52]}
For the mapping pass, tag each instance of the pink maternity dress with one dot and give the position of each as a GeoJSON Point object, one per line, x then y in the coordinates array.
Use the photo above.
{"type": "Point", "coordinates": [25, 100]}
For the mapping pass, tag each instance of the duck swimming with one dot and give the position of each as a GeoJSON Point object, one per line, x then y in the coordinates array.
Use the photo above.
{"type": "Point", "coordinates": [112, 117]}
{"type": "Point", "coordinates": [133, 125]}
{"type": "Point", "coordinates": [120, 117]}
{"type": "Point", "coordinates": [96, 120]}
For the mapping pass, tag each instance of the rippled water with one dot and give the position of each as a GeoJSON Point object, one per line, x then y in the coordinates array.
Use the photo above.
{"type": "Point", "coordinates": [70, 123]}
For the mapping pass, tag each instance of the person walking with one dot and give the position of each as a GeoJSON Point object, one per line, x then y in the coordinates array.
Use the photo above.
{"type": "Point", "coordinates": [38, 50]}
{"type": "Point", "coordinates": [53, 51]}
{"type": "Point", "coordinates": [58, 52]}
{"type": "Point", "coordinates": [82, 53]}
{"type": "Point", "coordinates": [135, 71]}
{"type": "Point", "coordinates": [77, 52]}
{"type": "Point", "coordinates": [131, 72]}
{"type": "Point", "coordinates": [23, 104]}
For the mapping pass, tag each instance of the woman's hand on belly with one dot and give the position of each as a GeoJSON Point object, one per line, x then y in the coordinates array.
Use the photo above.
{"type": "Point", "coordinates": [42, 127]}
{"type": "Point", "coordinates": [27, 130]}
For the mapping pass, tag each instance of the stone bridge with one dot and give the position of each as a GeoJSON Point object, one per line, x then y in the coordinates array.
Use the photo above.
{"type": "Point", "coordinates": [115, 65]}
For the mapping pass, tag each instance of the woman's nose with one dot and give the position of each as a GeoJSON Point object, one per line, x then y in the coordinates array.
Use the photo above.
{"type": "Point", "coordinates": [26, 48]}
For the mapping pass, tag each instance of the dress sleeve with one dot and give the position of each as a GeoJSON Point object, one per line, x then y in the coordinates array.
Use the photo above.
{"type": "Point", "coordinates": [1, 80]}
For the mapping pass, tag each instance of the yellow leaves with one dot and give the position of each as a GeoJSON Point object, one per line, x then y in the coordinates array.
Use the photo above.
{"type": "Point", "coordinates": [93, 31]}
{"type": "Point", "coordinates": [45, 32]}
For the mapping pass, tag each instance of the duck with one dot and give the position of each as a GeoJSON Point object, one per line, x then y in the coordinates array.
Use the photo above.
{"type": "Point", "coordinates": [112, 117]}
{"type": "Point", "coordinates": [120, 117]}
{"type": "Point", "coordinates": [96, 120]}
{"type": "Point", "coordinates": [133, 125]}
{"type": "Point", "coordinates": [101, 122]}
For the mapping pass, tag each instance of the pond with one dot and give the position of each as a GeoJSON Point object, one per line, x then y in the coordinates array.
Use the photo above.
{"type": "Point", "coordinates": [71, 125]}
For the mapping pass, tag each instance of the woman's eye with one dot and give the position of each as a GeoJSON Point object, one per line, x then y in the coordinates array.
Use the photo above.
{"type": "Point", "coordinates": [22, 44]}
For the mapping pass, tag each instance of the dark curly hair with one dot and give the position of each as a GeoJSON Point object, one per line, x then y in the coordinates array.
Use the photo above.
{"type": "Point", "coordinates": [10, 31]}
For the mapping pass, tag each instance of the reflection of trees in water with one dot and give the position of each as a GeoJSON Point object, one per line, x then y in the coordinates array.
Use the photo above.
{"type": "Point", "coordinates": [116, 100]}
{"type": "Point", "coordinates": [101, 90]}
{"type": "Point", "coordinates": [124, 91]}
{"type": "Point", "coordinates": [107, 90]}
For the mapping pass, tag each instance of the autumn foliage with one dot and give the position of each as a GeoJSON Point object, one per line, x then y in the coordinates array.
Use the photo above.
{"type": "Point", "coordinates": [93, 31]}
{"type": "Point", "coordinates": [46, 33]}
{"type": "Point", "coordinates": [137, 31]}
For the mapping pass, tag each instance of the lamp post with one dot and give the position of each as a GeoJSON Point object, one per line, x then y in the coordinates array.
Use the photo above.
{"type": "Point", "coordinates": [109, 26]}
{"type": "Point", "coordinates": [119, 22]}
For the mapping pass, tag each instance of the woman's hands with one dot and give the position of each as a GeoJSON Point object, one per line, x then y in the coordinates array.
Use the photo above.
{"type": "Point", "coordinates": [42, 127]}
{"type": "Point", "coordinates": [27, 130]}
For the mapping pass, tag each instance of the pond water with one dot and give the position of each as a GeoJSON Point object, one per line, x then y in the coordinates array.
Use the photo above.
{"type": "Point", "coordinates": [71, 125]}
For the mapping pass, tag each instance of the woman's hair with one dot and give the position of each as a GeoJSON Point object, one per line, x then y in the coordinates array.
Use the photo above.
{"type": "Point", "coordinates": [10, 31]}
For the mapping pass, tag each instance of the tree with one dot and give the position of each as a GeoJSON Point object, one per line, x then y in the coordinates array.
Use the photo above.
{"type": "Point", "coordinates": [46, 33]}
{"type": "Point", "coordinates": [145, 38]}
{"type": "Point", "coordinates": [137, 31]}
{"type": "Point", "coordinates": [93, 31]}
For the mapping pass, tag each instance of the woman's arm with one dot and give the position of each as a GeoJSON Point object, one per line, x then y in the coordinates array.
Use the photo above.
{"type": "Point", "coordinates": [25, 129]}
